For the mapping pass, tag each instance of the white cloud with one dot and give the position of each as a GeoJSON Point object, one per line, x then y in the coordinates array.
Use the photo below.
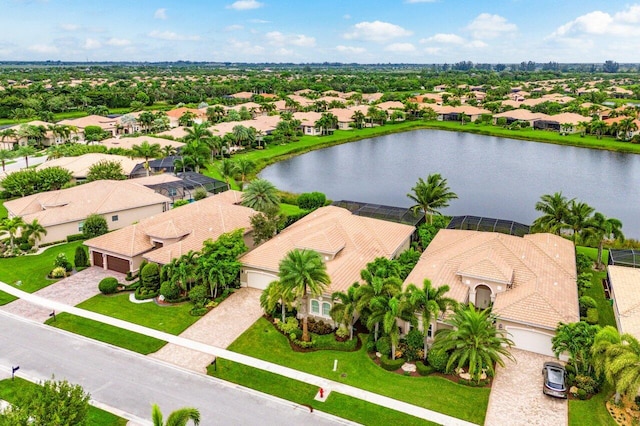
{"type": "Point", "coordinates": [91, 43]}
{"type": "Point", "coordinates": [478, 44]}
{"type": "Point", "coordinates": [400, 48]}
{"type": "Point", "coordinates": [245, 5]}
{"type": "Point", "coordinates": [170, 35]}
{"type": "Point", "coordinates": [487, 26]}
{"type": "Point", "coordinates": [244, 47]}
{"type": "Point", "coordinates": [70, 27]}
{"type": "Point", "coordinates": [276, 38]}
{"type": "Point", "coordinates": [350, 49]}
{"type": "Point", "coordinates": [117, 42]}
{"type": "Point", "coordinates": [43, 48]}
{"type": "Point", "coordinates": [620, 24]}
{"type": "Point", "coordinates": [160, 14]}
{"type": "Point", "coordinates": [444, 38]}
{"type": "Point", "coordinates": [433, 50]}
{"type": "Point", "coordinates": [234, 27]}
{"type": "Point", "coordinates": [347, 16]}
{"type": "Point", "coordinates": [259, 21]}
{"type": "Point", "coordinates": [377, 31]}
{"type": "Point", "coordinates": [284, 52]}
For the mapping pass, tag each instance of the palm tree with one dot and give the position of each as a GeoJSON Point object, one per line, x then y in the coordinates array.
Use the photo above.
{"type": "Point", "coordinates": [599, 127]}
{"type": "Point", "coordinates": [177, 418]}
{"type": "Point", "coordinates": [147, 150]}
{"type": "Point", "coordinates": [474, 342]}
{"type": "Point", "coordinates": [12, 226]}
{"type": "Point", "coordinates": [602, 228]}
{"type": "Point", "coordinates": [168, 151]}
{"type": "Point", "coordinates": [5, 155]}
{"type": "Point", "coordinates": [198, 133]}
{"type": "Point", "coordinates": [429, 302]}
{"type": "Point", "coordinates": [344, 312]}
{"type": "Point", "coordinates": [244, 167]}
{"type": "Point", "coordinates": [555, 211]}
{"type": "Point", "coordinates": [579, 215]}
{"type": "Point", "coordinates": [227, 169]}
{"type": "Point", "coordinates": [34, 231]}
{"type": "Point", "coordinates": [604, 340]}
{"type": "Point", "coordinates": [431, 195]}
{"type": "Point", "coordinates": [260, 195]}
{"type": "Point", "coordinates": [240, 134]}
{"type": "Point", "coordinates": [626, 126]}
{"type": "Point", "coordinates": [25, 152]}
{"type": "Point", "coordinates": [575, 339]}
{"type": "Point", "coordinates": [623, 365]}
{"type": "Point", "coordinates": [273, 295]}
{"type": "Point", "coordinates": [375, 293]}
{"type": "Point", "coordinates": [302, 272]}
{"type": "Point", "coordinates": [394, 309]}
{"type": "Point", "coordinates": [358, 117]}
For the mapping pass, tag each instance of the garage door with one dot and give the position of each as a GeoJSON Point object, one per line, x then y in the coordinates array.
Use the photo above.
{"type": "Point", "coordinates": [117, 264]}
{"type": "Point", "coordinates": [531, 340]}
{"type": "Point", "coordinates": [259, 280]}
{"type": "Point", "coordinates": [97, 259]}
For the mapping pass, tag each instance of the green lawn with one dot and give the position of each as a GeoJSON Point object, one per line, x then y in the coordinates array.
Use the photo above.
{"type": "Point", "coordinates": [107, 333]}
{"type": "Point", "coordinates": [290, 209]}
{"type": "Point", "coordinates": [591, 412]}
{"type": "Point", "coordinates": [32, 270]}
{"type": "Point", "coordinates": [605, 310]}
{"type": "Point", "coordinates": [302, 393]}
{"type": "Point", "coordinates": [263, 341]}
{"type": "Point", "coordinates": [96, 416]}
{"type": "Point", "coordinates": [3, 210]}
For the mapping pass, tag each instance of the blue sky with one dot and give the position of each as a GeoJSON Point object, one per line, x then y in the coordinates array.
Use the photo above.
{"type": "Point", "coordinates": [364, 31]}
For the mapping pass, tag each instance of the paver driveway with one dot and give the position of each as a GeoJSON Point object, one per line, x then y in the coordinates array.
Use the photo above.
{"type": "Point", "coordinates": [220, 328]}
{"type": "Point", "coordinates": [516, 396]}
{"type": "Point", "coordinates": [72, 290]}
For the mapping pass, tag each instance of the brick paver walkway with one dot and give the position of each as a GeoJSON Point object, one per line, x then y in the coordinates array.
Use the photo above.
{"type": "Point", "coordinates": [516, 395]}
{"type": "Point", "coordinates": [70, 291]}
{"type": "Point", "coordinates": [219, 328]}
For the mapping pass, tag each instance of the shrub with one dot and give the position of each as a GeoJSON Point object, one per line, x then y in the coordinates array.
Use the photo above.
{"type": "Point", "coordinates": [592, 316]}
{"type": "Point", "coordinates": [342, 332]}
{"type": "Point", "coordinates": [383, 345]}
{"type": "Point", "coordinates": [179, 203]}
{"type": "Point", "coordinates": [311, 200]}
{"type": "Point", "coordinates": [25, 246]}
{"type": "Point", "coordinates": [94, 225]}
{"type": "Point", "coordinates": [424, 369]}
{"type": "Point", "coordinates": [198, 296]}
{"type": "Point", "coordinates": [438, 359]}
{"type": "Point", "coordinates": [108, 285]}
{"type": "Point", "coordinates": [319, 327]}
{"type": "Point", "coordinates": [170, 290]}
{"type": "Point", "coordinates": [390, 364]}
{"type": "Point", "coordinates": [292, 336]}
{"type": "Point", "coordinates": [198, 312]}
{"type": "Point", "coordinates": [586, 302]}
{"type": "Point", "coordinates": [289, 326]}
{"type": "Point", "coordinates": [370, 345]}
{"type": "Point", "coordinates": [304, 345]}
{"type": "Point", "coordinates": [581, 394]}
{"type": "Point", "coordinates": [80, 258]}
{"type": "Point", "coordinates": [61, 261]}
{"type": "Point", "coordinates": [586, 383]}
{"type": "Point", "coordinates": [150, 276]}
{"type": "Point", "coordinates": [58, 272]}
{"type": "Point", "coordinates": [199, 194]}
{"type": "Point", "coordinates": [473, 383]}
{"type": "Point", "coordinates": [143, 293]}
{"type": "Point", "coordinates": [75, 237]}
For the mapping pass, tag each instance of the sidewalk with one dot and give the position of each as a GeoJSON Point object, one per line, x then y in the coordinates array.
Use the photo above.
{"type": "Point", "coordinates": [354, 392]}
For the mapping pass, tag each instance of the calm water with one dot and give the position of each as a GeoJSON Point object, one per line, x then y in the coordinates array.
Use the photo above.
{"type": "Point", "coordinates": [493, 177]}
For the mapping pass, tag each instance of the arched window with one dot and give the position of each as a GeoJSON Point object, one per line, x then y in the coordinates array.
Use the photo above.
{"type": "Point", "coordinates": [326, 307]}
{"type": "Point", "coordinates": [315, 307]}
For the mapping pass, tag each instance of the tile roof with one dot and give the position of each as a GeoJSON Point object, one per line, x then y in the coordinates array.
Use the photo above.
{"type": "Point", "coordinates": [127, 143]}
{"type": "Point", "coordinates": [522, 114]}
{"type": "Point", "coordinates": [625, 283]}
{"type": "Point", "coordinates": [194, 223]}
{"type": "Point", "coordinates": [357, 240]}
{"type": "Point", "coordinates": [542, 267]}
{"type": "Point", "coordinates": [78, 202]}
{"type": "Point", "coordinates": [79, 166]}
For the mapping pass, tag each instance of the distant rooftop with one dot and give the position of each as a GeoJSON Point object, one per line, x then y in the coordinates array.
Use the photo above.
{"type": "Point", "coordinates": [630, 258]}
{"type": "Point", "coordinates": [378, 211]}
{"type": "Point", "coordinates": [488, 224]}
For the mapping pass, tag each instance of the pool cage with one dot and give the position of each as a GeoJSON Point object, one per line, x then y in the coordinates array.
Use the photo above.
{"type": "Point", "coordinates": [189, 183]}
{"type": "Point", "coordinates": [487, 224]}
{"type": "Point", "coordinates": [378, 211]}
{"type": "Point", "coordinates": [630, 258]}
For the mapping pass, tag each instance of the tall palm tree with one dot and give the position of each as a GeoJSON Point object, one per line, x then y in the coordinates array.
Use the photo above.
{"type": "Point", "coordinates": [555, 211]}
{"type": "Point", "coordinates": [147, 150]}
{"type": "Point", "coordinates": [474, 342]}
{"type": "Point", "coordinates": [5, 155]}
{"type": "Point", "coordinates": [177, 418]}
{"type": "Point", "coordinates": [244, 167]}
{"type": "Point", "coordinates": [602, 228]}
{"type": "Point", "coordinates": [275, 294]}
{"type": "Point", "coordinates": [358, 118]}
{"type": "Point", "coordinates": [598, 127]}
{"type": "Point", "coordinates": [240, 134]}
{"type": "Point", "coordinates": [579, 215]}
{"type": "Point", "coordinates": [432, 195]}
{"type": "Point", "coordinates": [25, 152]}
{"type": "Point", "coordinates": [303, 272]}
{"type": "Point", "coordinates": [228, 169]}
{"type": "Point", "coordinates": [429, 302]}
{"type": "Point", "coordinates": [344, 312]}
{"type": "Point", "coordinates": [34, 231]}
{"type": "Point", "coordinates": [12, 226]}
{"type": "Point", "coordinates": [603, 341]}
{"type": "Point", "coordinates": [623, 365]}
{"type": "Point", "coordinates": [260, 195]}
{"type": "Point", "coordinates": [198, 133]}
{"type": "Point", "coordinates": [393, 309]}
{"type": "Point", "coordinates": [375, 293]}
{"type": "Point", "coordinates": [168, 151]}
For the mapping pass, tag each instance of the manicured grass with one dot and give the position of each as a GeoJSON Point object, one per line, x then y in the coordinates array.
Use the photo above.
{"type": "Point", "coordinates": [591, 412]}
{"type": "Point", "coordinates": [605, 310]}
{"type": "Point", "coordinates": [170, 319]}
{"type": "Point", "coordinates": [290, 209]}
{"type": "Point", "coordinates": [3, 210]}
{"type": "Point", "coordinates": [95, 417]}
{"type": "Point", "coordinates": [302, 393]}
{"type": "Point", "coordinates": [106, 333]}
{"type": "Point", "coordinates": [32, 270]}
{"type": "Point", "coordinates": [592, 252]}
{"type": "Point", "coordinates": [263, 341]}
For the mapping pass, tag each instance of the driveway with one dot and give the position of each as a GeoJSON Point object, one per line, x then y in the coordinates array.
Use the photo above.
{"type": "Point", "coordinates": [71, 291]}
{"type": "Point", "coordinates": [220, 327]}
{"type": "Point", "coordinates": [516, 396]}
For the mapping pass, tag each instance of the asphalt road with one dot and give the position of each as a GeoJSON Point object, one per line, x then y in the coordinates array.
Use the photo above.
{"type": "Point", "coordinates": [132, 382]}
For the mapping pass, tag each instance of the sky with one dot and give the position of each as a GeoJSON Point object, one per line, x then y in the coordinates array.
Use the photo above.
{"type": "Point", "coordinates": [304, 31]}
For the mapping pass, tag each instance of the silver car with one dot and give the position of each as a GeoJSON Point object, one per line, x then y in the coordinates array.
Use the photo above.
{"type": "Point", "coordinates": [555, 380]}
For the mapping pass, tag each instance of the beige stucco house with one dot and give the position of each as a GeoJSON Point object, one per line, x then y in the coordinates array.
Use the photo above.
{"type": "Point", "coordinates": [529, 281]}
{"type": "Point", "coordinates": [162, 237]}
{"type": "Point", "coordinates": [623, 285]}
{"type": "Point", "coordinates": [63, 212]}
{"type": "Point", "coordinates": [346, 242]}
{"type": "Point", "coordinates": [80, 166]}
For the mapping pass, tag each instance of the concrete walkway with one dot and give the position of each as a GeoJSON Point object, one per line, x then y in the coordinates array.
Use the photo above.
{"type": "Point", "coordinates": [70, 291]}
{"type": "Point", "coordinates": [517, 395]}
{"type": "Point", "coordinates": [354, 392]}
{"type": "Point", "coordinates": [219, 328]}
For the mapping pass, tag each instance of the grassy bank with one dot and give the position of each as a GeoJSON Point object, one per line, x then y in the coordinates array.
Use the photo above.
{"type": "Point", "coordinates": [605, 310]}
{"type": "Point", "coordinates": [592, 411]}
{"type": "Point", "coordinates": [9, 390]}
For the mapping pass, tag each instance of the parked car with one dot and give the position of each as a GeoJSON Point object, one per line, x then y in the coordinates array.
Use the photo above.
{"type": "Point", "coordinates": [555, 380]}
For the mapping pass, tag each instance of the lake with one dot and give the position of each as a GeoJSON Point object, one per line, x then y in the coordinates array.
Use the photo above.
{"type": "Point", "coordinates": [493, 177]}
